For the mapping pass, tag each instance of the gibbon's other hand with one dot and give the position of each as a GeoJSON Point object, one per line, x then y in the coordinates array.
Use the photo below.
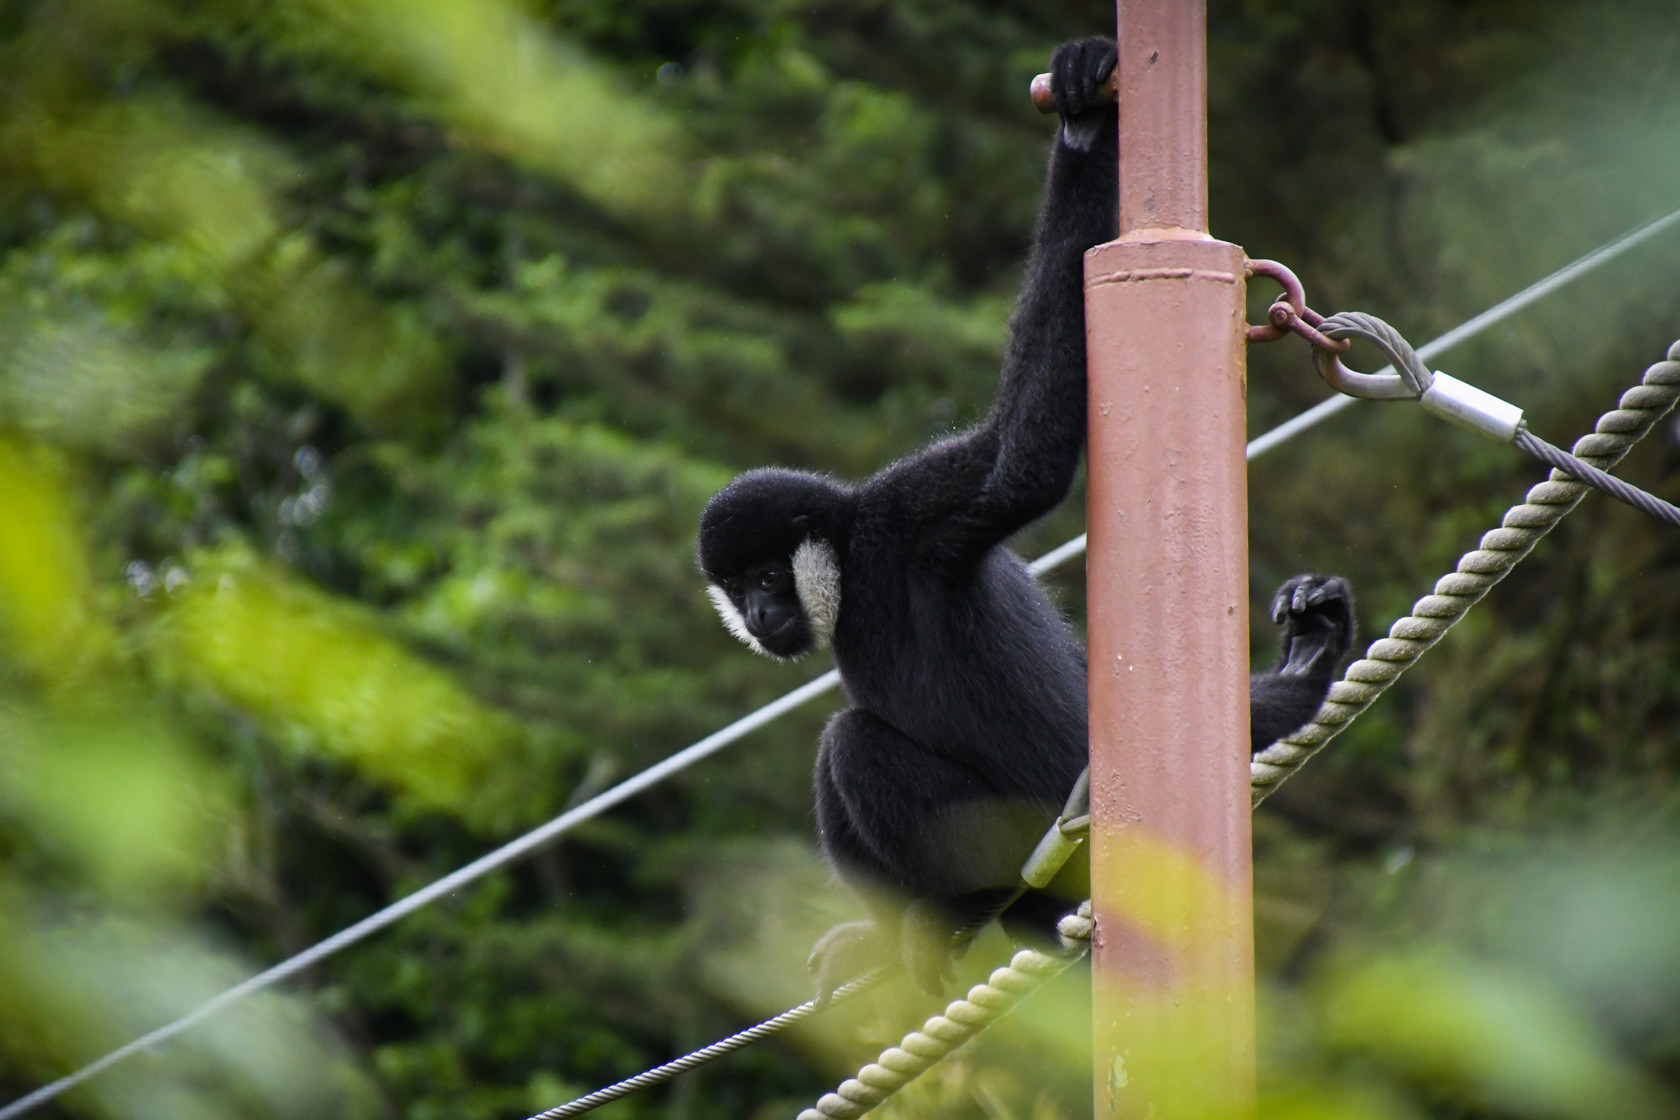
{"type": "Point", "coordinates": [1316, 613]}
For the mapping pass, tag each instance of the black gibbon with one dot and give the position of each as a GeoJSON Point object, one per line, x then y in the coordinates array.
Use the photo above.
{"type": "Point", "coordinates": [967, 720]}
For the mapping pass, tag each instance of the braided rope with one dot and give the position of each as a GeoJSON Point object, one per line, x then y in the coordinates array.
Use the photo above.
{"type": "Point", "coordinates": [1027, 972]}
{"type": "Point", "coordinates": [1478, 571]}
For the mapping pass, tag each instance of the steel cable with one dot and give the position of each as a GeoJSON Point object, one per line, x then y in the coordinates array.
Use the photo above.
{"type": "Point", "coordinates": [1417, 379]}
{"type": "Point", "coordinates": [660, 1074]}
{"type": "Point", "coordinates": [1583, 471]}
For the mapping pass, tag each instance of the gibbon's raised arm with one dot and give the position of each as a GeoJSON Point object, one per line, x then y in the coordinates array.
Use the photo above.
{"type": "Point", "coordinates": [962, 496]}
{"type": "Point", "coordinates": [966, 720]}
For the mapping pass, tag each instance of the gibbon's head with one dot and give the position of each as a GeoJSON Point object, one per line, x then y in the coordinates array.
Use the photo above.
{"type": "Point", "coordinates": [768, 546]}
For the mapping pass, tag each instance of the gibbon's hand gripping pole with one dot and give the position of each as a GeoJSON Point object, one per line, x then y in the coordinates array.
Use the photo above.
{"type": "Point", "coordinates": [1173, 1006]}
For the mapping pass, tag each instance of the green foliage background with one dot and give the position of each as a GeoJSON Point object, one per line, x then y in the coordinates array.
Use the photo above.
{"type": "Point", "coordinates": [364, 366]}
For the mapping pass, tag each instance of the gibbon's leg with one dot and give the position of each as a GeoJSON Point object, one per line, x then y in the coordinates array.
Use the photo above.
{"type": "Point", "coordinates": [925, 843]}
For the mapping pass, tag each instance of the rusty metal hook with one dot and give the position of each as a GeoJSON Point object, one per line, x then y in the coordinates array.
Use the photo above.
{"type": "Point", "coordinates": [1290, 313]}
{"type": "Point", "coordinates": [1294, 298]}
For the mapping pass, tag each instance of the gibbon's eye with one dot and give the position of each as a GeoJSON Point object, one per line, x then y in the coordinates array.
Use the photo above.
{"type": "Point", "coordinates": [734, 589]}
{"type": "Point", "coordinates": [770, 579]}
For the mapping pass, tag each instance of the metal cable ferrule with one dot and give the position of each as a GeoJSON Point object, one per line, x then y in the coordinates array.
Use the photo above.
{"type": "Point", "coordinates": [1460, 403]}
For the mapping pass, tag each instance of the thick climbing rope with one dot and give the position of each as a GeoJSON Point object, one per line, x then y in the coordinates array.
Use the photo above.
{"type": "Point", "coordinates": [1606, 483]}
{"type": "Point", "coordinates": [1027, 971]}
{"type": "Point", "coordinates": [1478, 571]}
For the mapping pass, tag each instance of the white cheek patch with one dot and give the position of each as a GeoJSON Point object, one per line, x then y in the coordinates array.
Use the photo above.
{"type": "Point", "coordinates": [732, 620]}
{"type": "Point", "coordinates": [816, 577]}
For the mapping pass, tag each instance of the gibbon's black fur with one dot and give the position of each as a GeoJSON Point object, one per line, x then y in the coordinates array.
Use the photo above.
{"type": "Point", "coordinates": [967, 724]}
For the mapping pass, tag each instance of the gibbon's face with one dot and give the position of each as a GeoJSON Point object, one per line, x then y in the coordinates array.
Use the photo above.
{"type": "Point", "coordinates": [782, 608]}
{"type": "Point", "coordinates": [767, 547]}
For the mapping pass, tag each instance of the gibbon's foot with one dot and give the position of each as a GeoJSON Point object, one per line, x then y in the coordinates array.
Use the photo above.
{"type": "Point", "coordinates": [924, 945]}
{"type": "Point", "coordinates": [842, 954]}
{"type": "Point", "coordinates": [1316, 613]}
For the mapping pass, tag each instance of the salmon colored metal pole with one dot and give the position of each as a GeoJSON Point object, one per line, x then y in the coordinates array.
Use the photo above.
{"type": "Point", "coordinates": [1168, 594]}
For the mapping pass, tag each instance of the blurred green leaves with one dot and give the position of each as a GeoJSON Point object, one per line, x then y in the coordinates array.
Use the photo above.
{"type": "Point", "coordinates": [187, 180]}
{"type": "Point", "coordinates": [319, 676]}
{"type": "Point", "coordinates": [132, 810]}
{"type": "Point", "coordinates": [1472, 1031]}
{"type": "Point", "coordinates": [159, 165]}
{"type": "Point", "coordinates": [109, 822]}
{"type": "Point", "coordinates": [503, 80]}
{"type": "Point", "coordinates": [185, 177]}
{"type": "Point", "coordinates": [1499, 977]}
{"type": "Point", "coordinates": [77, 989]}
{"type": "Point", "coordinates": [94, 354]}
{"type": "Point", "coordinates": [48, 621]}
